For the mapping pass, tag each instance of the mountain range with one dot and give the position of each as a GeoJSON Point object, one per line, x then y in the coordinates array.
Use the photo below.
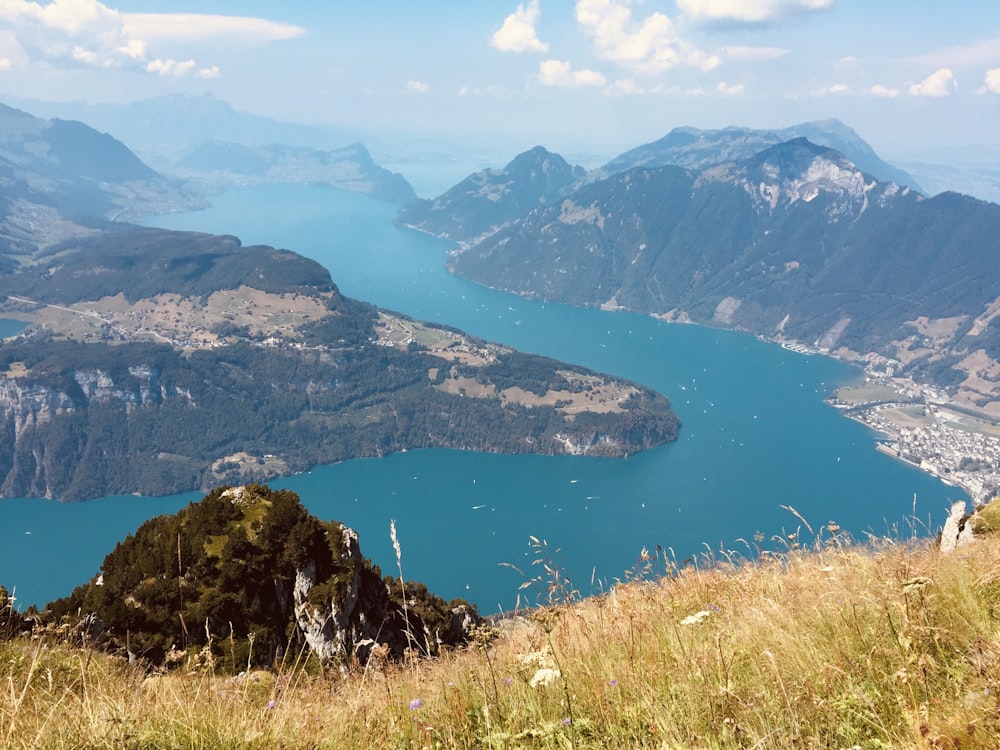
{"type": "Point", "coordinates": [698, 149]}
{"type": "Point", "coordinates": [791, 241]}
{"type": "Point", "coordinates": [165, 129]}
{"type": "Point", "coordinates": [486, 200]}
{"type": "Point", "coordinates": [156, 361]}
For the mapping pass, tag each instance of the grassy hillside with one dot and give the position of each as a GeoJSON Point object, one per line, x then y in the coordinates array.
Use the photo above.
{"type": "Point", "coordinates": [890, 644]}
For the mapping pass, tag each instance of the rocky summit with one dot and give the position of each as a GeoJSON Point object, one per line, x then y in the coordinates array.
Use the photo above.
{"type": "Point", "coordinates": [246, 574]}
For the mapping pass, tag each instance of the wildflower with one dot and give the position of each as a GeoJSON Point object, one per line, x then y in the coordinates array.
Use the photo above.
{"type": "Point", "coordinates": [696, 617]}
{"type": "Point", "coordinates": [567, 721]}
{"type": "Point", "coordinates": [415, 704]}
{"type": "Point", "coordinates": [613, 683]}
{"type": "Point", "coordinates": [272, 704]}
{"type": "Point", "coordinates": [509, 681]}
{"type": "Point", "coordinates": [544, 676]}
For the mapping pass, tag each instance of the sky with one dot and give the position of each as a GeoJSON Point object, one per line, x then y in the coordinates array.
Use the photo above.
{"type": "Point", "coordinates": [914, 78]}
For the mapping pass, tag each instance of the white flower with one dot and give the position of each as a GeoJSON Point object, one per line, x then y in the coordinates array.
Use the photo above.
{"type": "Point", "coordinates": [544, 676]}
{"type": "Point", "coordinates": [696, 617]}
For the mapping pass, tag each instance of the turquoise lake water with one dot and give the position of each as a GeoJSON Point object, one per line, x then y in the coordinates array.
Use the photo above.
{"type": "Point", "coordinates": [756, 436]}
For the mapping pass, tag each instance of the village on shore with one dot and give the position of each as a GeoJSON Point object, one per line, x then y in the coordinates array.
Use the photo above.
{"type": "Point", "coordinates": [926, 427]}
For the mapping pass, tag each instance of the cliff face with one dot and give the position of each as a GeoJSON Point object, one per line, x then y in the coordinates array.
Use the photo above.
{"type": "Point", "coordinates": [44, 426]}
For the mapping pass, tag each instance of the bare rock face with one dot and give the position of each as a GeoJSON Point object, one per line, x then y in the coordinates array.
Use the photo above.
{"type": "Point", "coordinates": [356, 611]}
{"type": "Point", "coordinates": [327, 625]}
{"type": "Point", "coordinates": [957, 531]}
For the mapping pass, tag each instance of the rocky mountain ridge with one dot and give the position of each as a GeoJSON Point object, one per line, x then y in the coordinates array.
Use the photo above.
{"type": "Point", "coordinates": [794, 242]}
{"type": "Point", "coordinates": [698, 149]}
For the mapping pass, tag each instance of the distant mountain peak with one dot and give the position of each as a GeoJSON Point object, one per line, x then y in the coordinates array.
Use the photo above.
{"type": "Point", "coordinates": [696, 149]}
{"type": "Point", "coordinates": [798, 169]}
{"type": "Point", "coordinates": [490, 198]}
{"type": "Point", "coordinates": [797, 154]}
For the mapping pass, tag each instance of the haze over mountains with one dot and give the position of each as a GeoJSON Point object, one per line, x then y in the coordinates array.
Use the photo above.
{"type": "Point", "coordinates": [55, 172]}
{"type": "Point", "coordinates": [164, 130]}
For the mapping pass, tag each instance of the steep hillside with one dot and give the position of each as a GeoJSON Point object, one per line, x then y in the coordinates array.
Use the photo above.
{"type": "Point", "coordinates": [819, 643]}
{"type": "Point", "coordinates": [69, 167]}
{"type": "Point", "coordinates": [795, 241]}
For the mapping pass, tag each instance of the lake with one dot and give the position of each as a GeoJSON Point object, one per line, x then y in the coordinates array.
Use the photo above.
{"type": "Point", "coordinates": [756, 436]}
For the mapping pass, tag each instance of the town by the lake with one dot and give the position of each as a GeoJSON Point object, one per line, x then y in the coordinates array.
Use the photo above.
{"type": "Point", "coordinates": [924, 426]}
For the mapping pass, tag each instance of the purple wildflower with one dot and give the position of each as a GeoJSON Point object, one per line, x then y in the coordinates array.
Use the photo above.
{"type": "Point", "coordinates": [272, 704]}
{"type": "Point", "coordinates": [415, 704]}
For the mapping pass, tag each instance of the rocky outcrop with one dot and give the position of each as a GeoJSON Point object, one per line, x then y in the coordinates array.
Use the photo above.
{"type": "Point", "coordinates": [362, 612]}
{"type": "Point", "coordinates": [254, 570]}
{"type": "Point", "coordinates": [957, 530]}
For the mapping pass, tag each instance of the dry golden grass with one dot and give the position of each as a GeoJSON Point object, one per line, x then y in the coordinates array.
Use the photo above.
{"type": "Point", "coordinates": [838, 647]}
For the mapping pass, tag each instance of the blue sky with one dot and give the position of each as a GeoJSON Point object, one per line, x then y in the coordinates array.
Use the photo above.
{"type": "Point", "coordinates": [912, 77]}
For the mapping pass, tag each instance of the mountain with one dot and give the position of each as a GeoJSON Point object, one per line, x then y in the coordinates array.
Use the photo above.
{"type": "Point", "coordinates": [794, 241]}
{"type": "Point", "coordinates": [159, 362]}
{"type": "Point", "coordinates": [490, 198]}
{"type": "Point", "coordinates": [259, 575]}
{"type": "Point", "coordinates": [350, 168]}
{"type": "Point", "coordinates": [699, 149]}
{"type": "Point", "coordinates": [165, 129]}
{"type": "Point", "coordinates": [71, 168]}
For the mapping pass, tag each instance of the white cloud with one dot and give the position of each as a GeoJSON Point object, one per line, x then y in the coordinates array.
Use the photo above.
{"type": "Point", "coordinates": [87, 33]}
{"type": "Point", "coordinates": [993, 80]}
{"type": "Point", "coordinates": [561, 73]}
{"type": "Point", "coordinates": [741, 53]}
{"type": "Point", "coordinates": [730, 90]}
{"type": "Point", "coordinates": [624, 87]}
{"type": "Point", "coordinates": [85, 55]}
{"type": "Point", "coordinates": [134, 49]}
{"type": "Point", "coordinates": [649, 46]}
{"type": "Point", "coordinates": [518, 31]}
{"type": "Point", "coordinates": [884, 91]}
{"type": "Point", "coordinates": [748, 11]}
{"type": "Point", "coordinates": [5, 64]}
{"type": "Point", "coordinates": [836, 89]}
{"type": "Point", "coordinates": [209, 73]}
{"type": "Point", "coordinates": [417, 87]}
{"type": "Point", "coordinates": [938, 84]}
{"type": "Point", "coordinates": [984, 52]}
{"type": "Point", "coordinates": [170, 67]}
{"type": "Point", "coordinates": [202, 26]}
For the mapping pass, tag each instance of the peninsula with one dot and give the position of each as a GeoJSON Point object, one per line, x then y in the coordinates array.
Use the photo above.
{"type": "Point", "coordinates": [156, 362]}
